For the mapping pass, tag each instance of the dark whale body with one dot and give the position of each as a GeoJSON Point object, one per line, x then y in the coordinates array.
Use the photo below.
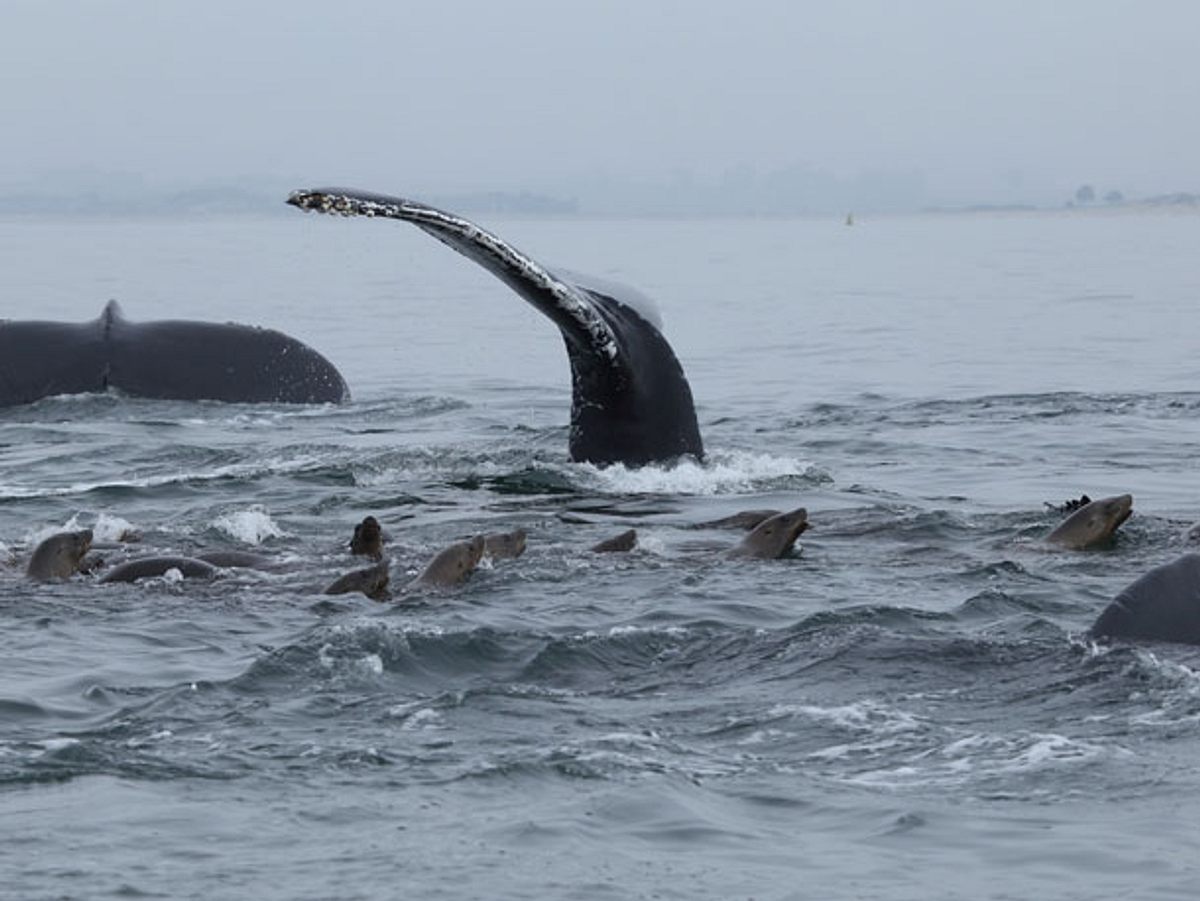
{"type": "Point", "coordinates": [631, 402]}
{"type": "Point", "coordinates": [1162, 605]}
{"type": "Point", "coordinates": [169, 360]}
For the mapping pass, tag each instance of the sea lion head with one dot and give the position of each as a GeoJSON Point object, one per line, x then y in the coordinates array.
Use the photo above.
{"type": "Point", "coordinates": [59, 556]}
{"type": "Point", "coordinates": [1093, 523]}
{"type": "Point", "coordinates": [501, 545]}
{"type": "Point", "coordinates": [774, 536]}
{"type": "Point", "coordinates": [368, 539]}
{"type": "Point", "coordinates": [453, 565]}
{"type": "Point", "coordinates": [371, 581]}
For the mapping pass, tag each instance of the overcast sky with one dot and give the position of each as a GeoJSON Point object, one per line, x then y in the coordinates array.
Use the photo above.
{"type": "Point", "coordinates": [984, 100]}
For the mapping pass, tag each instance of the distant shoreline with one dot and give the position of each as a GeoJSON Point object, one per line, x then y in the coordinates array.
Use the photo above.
{"type": "Point", "coordinates": [1181, 202]}
{"type": "Point", "coordinates": [221, 203]}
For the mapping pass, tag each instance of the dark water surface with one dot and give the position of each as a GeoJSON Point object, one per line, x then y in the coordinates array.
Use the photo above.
{"type": "Point", "coordinates": [904, 709]}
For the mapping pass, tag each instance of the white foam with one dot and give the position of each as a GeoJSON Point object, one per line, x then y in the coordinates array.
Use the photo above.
{"type": "Point", "coordinates": [367, 628]}
{"type": "Point", "coordinates": [863, 716]}
{"type": "Point", "coordinates": [672, 631]}
{"type": "Point", "coordinates": [724, 472]}
{"type": "Point", "coordinates": [406, 709]}
{"type": "Point", "coordinates": [761, 736]}
{"type": "Point", "coordinates": [855, 749]}
{"type": "Point", "coordinates": [425, 718]}
{"type": "Point", "coordinates": [1048, 750]}
{"type": "Point", "coordinates": [111, 528]}
{"type": "Point", "coordinates": [432, 464]}
{"type": "Point", "coordinates": [324, 657]}
{"type": "Point", "coordinates": [1177, 673]}
{"type": "Point", "coordinates": [37, 536]}
{"type": "Point", "coordinates": [522, 690]}
{"type": "Point", "coordinates": [251, 526]}
{"type": "Point", "coordinates": [977, 756]}
{"type": "Point", "coordinates": [648, 740]}
{"type": "Point", "coordinates": [733, 472]}
{"type": "Point", "coordinates": [50, 745]}
{"type": "Point", "coordinates": [652, 544]}
{"type": "Point", "coordinates": [161, 735]}
{"type": "Point", "coordinates": [1174, 703]}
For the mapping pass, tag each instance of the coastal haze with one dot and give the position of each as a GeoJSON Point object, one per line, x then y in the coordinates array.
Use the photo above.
{"type": "Point", "coordinates": [623, 107]}
{"type": "Point", "coordinates": [908, 707]}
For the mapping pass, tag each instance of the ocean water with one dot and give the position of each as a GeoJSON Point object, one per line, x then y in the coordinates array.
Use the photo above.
{"type": "Point", "coordinates": [906, 708]}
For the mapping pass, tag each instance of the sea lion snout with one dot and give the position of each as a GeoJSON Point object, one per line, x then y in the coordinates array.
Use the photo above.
{"type": "Point", "coordinates": [773, 537]}
{"type": "Point", "coordinates": [59, 556]}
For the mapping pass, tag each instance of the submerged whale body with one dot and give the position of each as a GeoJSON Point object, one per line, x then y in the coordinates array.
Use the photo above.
{"type": "Point", "coordinates": [1162, 605]}
{"type": "Point", "coordinates": [168, 360]}
{"type": "Point", "coordinates": [631, 402]}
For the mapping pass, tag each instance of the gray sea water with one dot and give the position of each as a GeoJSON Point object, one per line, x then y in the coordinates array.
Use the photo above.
{"type": "Point", "coordinates": [904, 709]}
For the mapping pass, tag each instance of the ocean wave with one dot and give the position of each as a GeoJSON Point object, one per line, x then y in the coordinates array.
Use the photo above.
{"type": "Point", "coordinates": [724, 472]}
{"type": "Point", "coordinates": [509, 471]}
{"type": "Point", "coordinates": [875, 412]}
{"type": "Point", "coordinates": [64, 758]}
{"type": "Point", "coordinates": [1166, 691]}
{"type": "Point", "coordinates": [867, 716]}
{"type": "Point", "coordinates": [245, 471]}
{"type": "Point", "coordinates": [980, 762]}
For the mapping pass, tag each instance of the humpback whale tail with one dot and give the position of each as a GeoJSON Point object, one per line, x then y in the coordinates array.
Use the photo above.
{"type": "Point", "coordinates": [631, 402]}
{"type": "Point", "coordinates": [170, 360]}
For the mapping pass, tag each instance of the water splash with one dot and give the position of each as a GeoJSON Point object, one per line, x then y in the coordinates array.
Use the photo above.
{"type": "Point", "coordinates": [251, 526]}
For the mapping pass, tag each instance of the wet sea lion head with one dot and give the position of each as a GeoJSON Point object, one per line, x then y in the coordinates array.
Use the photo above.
{"type": "Point", "coordinates": [453, 565]}
{"type": "Point", "coordinates": [371, 581]}
{"type": "Point", "coordinates": [368, 538]}
{"type": "Point", "coordinates": [59, 556]}
{"type": "Point", "coordinates": [502, 545]}
{"type": "Point", "coordinates": [1093, 523]}
{"type": "Point", "coordinates": [774, 536]}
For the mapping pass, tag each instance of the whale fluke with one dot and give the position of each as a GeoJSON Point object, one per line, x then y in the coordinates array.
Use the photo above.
{"type": "Point", "coordinates": [631, 402]}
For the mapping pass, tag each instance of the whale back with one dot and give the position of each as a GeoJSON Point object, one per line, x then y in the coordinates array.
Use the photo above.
{"type": "Point", "coordinates": [169, 360]}
{"type": "Point", "coordinates": [182, 360]}
{"type": "Point", "coordinates": [42, 359]}
{"type": "Point", "coordinates": [1162, 605]}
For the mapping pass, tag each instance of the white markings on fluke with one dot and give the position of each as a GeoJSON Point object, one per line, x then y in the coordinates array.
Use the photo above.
{"type": "Point", "coordinates": [569, 299]}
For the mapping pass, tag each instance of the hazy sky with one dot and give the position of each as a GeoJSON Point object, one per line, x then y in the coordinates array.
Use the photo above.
{"type": "Point", "coordinates": [986, 100]}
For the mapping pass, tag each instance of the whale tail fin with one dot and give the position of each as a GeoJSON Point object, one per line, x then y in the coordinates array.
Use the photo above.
{"type": "Point", "coordinates": [631, 402]}
{"type": "Point", "coordinates": [565, 304]}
